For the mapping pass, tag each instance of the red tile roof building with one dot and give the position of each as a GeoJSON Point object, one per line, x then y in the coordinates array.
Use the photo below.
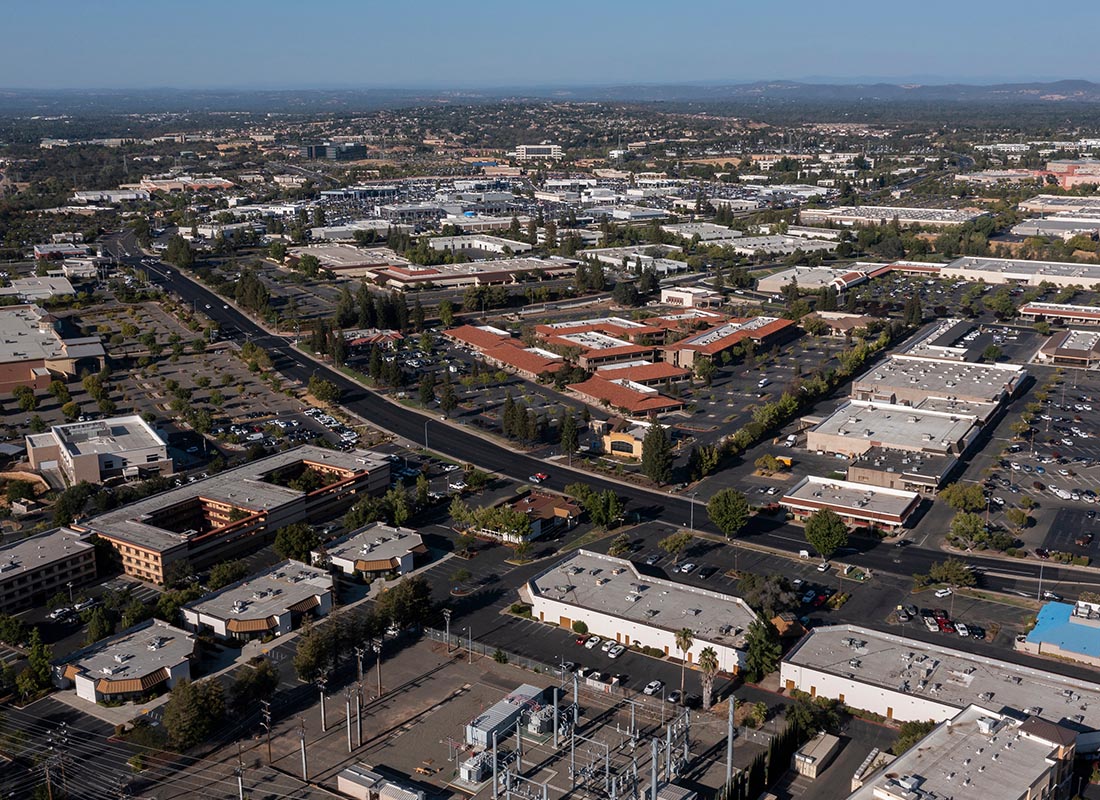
{"type": "Point", "coordinates": [763, 331]}
{"type": "Point", "coordinates": [630, 397]}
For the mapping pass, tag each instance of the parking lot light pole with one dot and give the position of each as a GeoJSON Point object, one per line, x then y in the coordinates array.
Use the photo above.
{"type": "Point", "coordinates": [70, 586]}
{"type": "Point", "coordinates": [426, 433]}
{"type": "Point", "coordinates": [691, 524]}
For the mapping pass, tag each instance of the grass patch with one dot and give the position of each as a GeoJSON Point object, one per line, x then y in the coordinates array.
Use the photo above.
{"type": "Point", "coordinates": [592, 536]}
{"type": "Point", "coordinates": [1004, 599]}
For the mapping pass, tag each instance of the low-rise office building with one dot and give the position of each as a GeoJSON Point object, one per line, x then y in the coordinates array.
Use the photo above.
{"type": "Point", "coordinates": [1022, 272]}
{"type": "Point", "coordinates": [780, 245]}
{"type": "Point", "coordinates": [858, 425]}
{"type": "Point", "coordinates": [239, 510]}
{"type": "Point", "coordinates": [881, 215]}
{"type": "Point", "coordinates": [373, 552]}
{"type": "Point", "coordinates": [488, 245]}
{"type": "Point", "coordinates": [1071, 349]}
{"type": "Point", "coordinates": [908, 380]}
{"type": "Point", "coordinates": [625, 396]}
{"type": "Point", "coordinates": [38, 289]}
{"type": "Point", "coordinates": [1065, 630]}
{"type": "Point", "coordinates": [34, 569]}
{"type": "Point", "coordinates": [706, 231]}
{"type": "Point", "coordinates": [857, 504]}
{"type": "Point", "coordinates": [840, 323]}
{"type": "Point", "coordinates": [101, 449]}
{"type": "Point", "coordinates": [907, 470]}
{"type": "Point", "coordinates": [270, 603]}
{"type": "Point", "coordinates": [645, 373]}
{"type": "Point", "coordinates": [905, 679]}
{"type": "Point", "coordinates": [33, 350]}
{"type": "Point", "coordinates": [615, 601]}
{"type": "Point", "coordinates": [1060, 312]}
{"type": "Point", "coordinates": [763, 332]}
{"type": "Point", "coordinates": [145, 660]}
{"type": "Point", "coordinates": [691, 297]}
{"type": "Point", "coordinates": [811, 279]}
{"type": "Point", "coordinates": [498, 272]}
{"type": "Point", "coordinates": [980, 753]}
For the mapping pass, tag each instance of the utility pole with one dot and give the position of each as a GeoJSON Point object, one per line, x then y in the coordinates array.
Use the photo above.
{"type": "Point", "coordinates": [359, 715]}
{"type": "Point", "coordinates": [729, 738]}
{"type": "Point", "coordinates": [240, 773]}
{"type": "Point", "coordinates": [267, 726]}
{"type": "Point", "coordinates": [377, 645]}
{"type": "Point", "coordinates": [447, 620]}
{"type": "Point", "coordinates": [347, 713]}
{"type": "Point", "coordinates": [302, 739]}
{"type": "Point", "coordinates": [470, 647]}
{"type": "Point", "coordinates": [321, 685]}
{"type": "Point", "coordinates": [495, 782]}
{"type": "Point", "coordinates": [359, 664]}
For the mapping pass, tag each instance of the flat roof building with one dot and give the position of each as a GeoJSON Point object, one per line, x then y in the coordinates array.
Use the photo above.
{"type": "Point", "coordinates": [881, 215]}
{"type": "Point", "coordinates": [1020, 271]}
{"type": "Point", "coordinates": [33, 351]}
{"type": "Point", "coordinates": [100, 449]}
{"type": "Point", "coordinates": [980, 753]}
{"type": "Point", "coordinates": [33, 569]}
{"type": "Point", "coordinates": [237, 511]}
{"type": "Point", "coordinates": [147, 659]}
{"type": "Point", "coordinates": [811, 279]}
{"type": "Point", "coordinates": [37, 289]}
{"type": "Point", "coordinates": [691, 297]}
{"type": "Point", "coordinates": [269, 603]}
{"type": "Point", "coordinates": [857, 504]}
{"type": "Point", "coordinates": [617, 602]}
{"type": "Point", "coordinates": [496, 272]}
{"type": "Point", "coordinates": [1071, 348]}
{"type": "Point", "coordinates": [858, 425]}
{"type": "Point", "coordinates": [490, 245]}
{"type": "Point", "coordinates": [1060, 312]}
{"type": "Point", "coordinates": [908, 380]}
{"type": "Point", "coordinates": [374, 551]}
{"type": "Point", "coordinates": [906, 679]}
{"type": "Point", "coordinates": [907, 470]}
{"type": "Point", "coordinates": [706, 231]}
{"type": "Point", "coordinates": [780, 245]}
{"type": "Point", "coordinates": [1065, 630]}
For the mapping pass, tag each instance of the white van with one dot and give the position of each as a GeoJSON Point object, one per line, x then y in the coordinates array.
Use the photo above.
{"type": "Point", "coordinates": [763, 382]}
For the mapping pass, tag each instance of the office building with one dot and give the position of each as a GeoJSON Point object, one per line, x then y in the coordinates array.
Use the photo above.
{"type": "Point", "coordinates": [617, 602]}
{"type": "Point", "coordinates": [625, 396]}
{"type": "Point", "coordinates": [691, 297]}
{"type": "Point", "coordinates": [268, 604]}
{"type": "Point", "coordinates": [882, 215]}
{"type": "Point", "coordinates": [145, 660]}
{"type": "Point", "coordinates": [811, 279]}
{"type": "Point", "coordinates": [34, 569]}
{"type": "Point", "coordinates": [1063, 313]}
{"type": "Point", "coordinates": [858, 425]}
{"type": "Point", "coordinates": [535, 152]}
{"type": "Point", "coordinates": [1068, 631]}
{"type": "Point", "coordinates": [33, 350]}
{"type": "Point", "coordinates": [860, 506]}
{"type": "Point", "coordinates": [1071, 348]}
{"type": "Point", "coordinates": [913, 381]}
{"type": "Point", "coordinates": [98, 450]}
{"type": "Point", "coordinates": [37, 290]}
{"type": "Point", "coordinates": [237, 511]}
{"type": "Point", "coordinates": [375, 551]}
{"type": "Point", "coordinates": [1022, 272]}
{"type": "Point", "coordinates": [907, 470]}
{"type": "Point", "coordinates": [761, 332]}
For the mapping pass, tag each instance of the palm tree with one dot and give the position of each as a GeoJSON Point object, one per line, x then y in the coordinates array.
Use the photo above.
{"type": "Point", "coordinates": [685, 638]}
{"type": "Point", "coordinates": [708, 665]}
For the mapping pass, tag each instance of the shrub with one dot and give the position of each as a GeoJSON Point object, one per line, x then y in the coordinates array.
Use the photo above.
{"type": "Point", "coordinates": [579, 626]}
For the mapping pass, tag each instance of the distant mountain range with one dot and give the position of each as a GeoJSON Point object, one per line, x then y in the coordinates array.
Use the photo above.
{"type": "Point", "coordinates": [26, 102]}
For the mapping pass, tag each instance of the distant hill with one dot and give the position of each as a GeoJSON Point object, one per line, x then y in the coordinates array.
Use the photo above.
{"type": "Point", "coordinates": [25, 102]}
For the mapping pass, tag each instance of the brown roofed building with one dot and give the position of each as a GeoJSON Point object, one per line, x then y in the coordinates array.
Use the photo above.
{"type": "Point", "coordinates": [646, 373]}
{"type": "Point", "coordinates": [762, 331]}
{"type": "Point", "coordinates": [632, 398]}
{"type": "Point", "coordinates": [374, 551]}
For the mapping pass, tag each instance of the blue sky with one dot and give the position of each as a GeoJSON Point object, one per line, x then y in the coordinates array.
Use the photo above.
{"type": "Point", "coordinates": [489, 43]}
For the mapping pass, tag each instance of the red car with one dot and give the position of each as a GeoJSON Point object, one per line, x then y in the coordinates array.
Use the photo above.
{"type": "Point", "coordinates": [581, 639]}
{"type": "Point", "coordinates": [542, 476]}
{"type": "Point", "coordinates": [946, 626]}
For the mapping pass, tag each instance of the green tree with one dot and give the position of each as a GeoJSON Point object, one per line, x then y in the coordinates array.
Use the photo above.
{"type": "Point", "coordinates": [39, 655]}
{"type": "Point", "coordinates": [71, 410]}
{"type": "Point", "coordinates": [826, 532]}
{"type": "Point", "coordinates": [446, 313]}
{"type": "Point", "coordinates": [193, 712]}
{"type": "Point", "coordinates": [762, 650]}
{"type": "Point", "coordinates": [708, 666]}
{"type": "Point", "coordinates": [953, 572]}
{"type": "Point", "coordinates": [675, 544]}
{"type": "Point", "coordinates": [963, 496]}
{"type": "Point", "coordinates": [568, 434]}
{"type": "Point", "coordinates": [406, 605]}
{"type": "Point", "coordinates": [313, 653]}
{"type": "Point", "coordinates": [99, 625]}
{"type": "Point", "coordinates": [448, 401]}
{"type": "Point", "coordinates": [657, 455]}
{"type": "Point", "coordinates": [326, 392]}
{"type": "Point", "coordinates": [967, 529]}
{"type": "Point", "coordinates": [226, 572]}
{"type": "Point", "coordinates": [253, 683]}
{"type": "Point", "coordinates": [729, 511]}
{"type": "Point", "coordinates": [296, 542]}
{"type": "Point", "coordinates": [910, 733]}
{"type": "Point", "coordinates": [619, 545]}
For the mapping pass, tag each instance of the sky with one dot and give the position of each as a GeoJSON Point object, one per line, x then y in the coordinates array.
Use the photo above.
{"type": "Point", "coordinates": [284, 44]}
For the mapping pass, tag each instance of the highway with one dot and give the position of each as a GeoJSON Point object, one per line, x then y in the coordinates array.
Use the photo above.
{"type": "Point", "coordinates": [451, 439]}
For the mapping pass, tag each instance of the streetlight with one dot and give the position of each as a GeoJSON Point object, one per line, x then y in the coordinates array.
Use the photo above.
{"type": "Point", "coordinates": [691, 524]}
{"type": "Point", "coordinates": [70, 585]}
{"type": "Point", "coordinates": [426, 433]}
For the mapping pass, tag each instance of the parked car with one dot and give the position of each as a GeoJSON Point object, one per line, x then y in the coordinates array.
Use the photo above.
{"type": "Point", "coordinates": [944, 592]}
{"type": "Point", "coordinates": [592, 643]}
{"type": "Point", "coordinates": [653, 687]}
{"type": "Point", "coordinates": [607, 645]}
{"type": "Point", "coordinates": [823, 566]}
{"type": "Point", "coordinates": [961, 629]}
{"type": "Point", "coordinates": [687, 569]}
{"type": "Point", "coordinates": [616, 651]}
{"type": "Point", "coordinates": [706, 572]}
{"type": "Point", "coordinates": [931, 624]}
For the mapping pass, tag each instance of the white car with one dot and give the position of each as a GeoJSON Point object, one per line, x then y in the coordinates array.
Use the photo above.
{"type": "Point", "coordinates": [592, 643]}
{"type": "Point", "coordinates": [616, 651]}
{"type": "Point", "coordinates": [607, 645]}
{"type": "Point", "coordinates": [823, 566]}
{"type": "Point", "coordinates": [653, 687]}
{"type": "Point", "coordinates": [944, 592]}
{"type": "Point", "coordinates": [962, 630]}
{"type": "Point", "coordinates": [687, 569]}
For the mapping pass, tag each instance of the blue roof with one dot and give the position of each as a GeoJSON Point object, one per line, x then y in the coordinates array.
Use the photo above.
{"type": "Point", "coordinates": [1055, 625]}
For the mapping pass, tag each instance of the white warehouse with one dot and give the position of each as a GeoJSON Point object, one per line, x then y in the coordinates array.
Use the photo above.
{"type": "Point", "coordinates": [616, 602]}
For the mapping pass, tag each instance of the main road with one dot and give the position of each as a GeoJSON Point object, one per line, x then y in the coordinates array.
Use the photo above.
{"type": "Point", "coordinates": [450, 438]}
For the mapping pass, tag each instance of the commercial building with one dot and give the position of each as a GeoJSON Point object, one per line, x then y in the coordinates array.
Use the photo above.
{"type": "Point", "coordinates": [908, 380]}
{"type": "Point", "coordinates": [1058, 204]}
{"type": "Point", "coordinates": [33, 350]}
{"type": "Point", "coordinates": [373, 552]}
{"type": "Point", "coordinates": [1067, 631]}
{"type": "Point", "coordinates": [645, 373]}
{"type": "Point", "coordinates": [780, 245]}
{"type": "Point", "coordinates": [691, 297]}
{"type": "Point", "coordinates": [763, 332]}
{"type": "Point", "coordinates": [623, 438]}
{"type": "Point", "coordinates": [34, 569]}
{"type": "Point", "coordinates": [858, 425]}
{"type": "Point", "coordinates": [881, 215]}
{"type": "Point", "coordinates": [907, 470]}
{"type": "Point", "coordinates": [811, 279]}
{"type": "Point", "coordinates": [498, 348]}
{"type": "Point", "coordinates": [980, 753]}
{"type": "Point", "coordinates": [498, 272]}
{"type": "Point", "coordinates": [533, 152]}
{"type": "Point", "coordinates": [624, 395]}
{"type": "Point", "coordinates": [37, 290]}
{"type": "Point", "coordinates": [479, 243]}
{"type": "Point", "coordinates": [59, 250]}
{"type": "Point", "coordinates": [100, 449]}
{"type": "Point", "coordinates": [237, 511]}
{"type": "Point", "coordinates": [347, 231]}
{"type": "Point", "coordinates": [706, 231]}
{"type": "Point", "coordinates": [1019, 271]}
{"type": "Point", "coordinates": [142, 661]}
{"type": "Point", "coordinates": [857, 504]}
{"type": "Point", "coordinates": [947, 339]}
{"type": "Point", "coordinates": [501, 717]}
{"type": "Point", "coordinates": [615, 601]}
{"type": "Point", "coordinates": [1060, 312]}
{"type": "Point", "coordinates": [1075, 172]}
{"type": "Point", "coordinates": [339, 258]}
{"type": "Point", "coordinates": [1071, 348]}
{"type": "Point", "coordinates": [269, 603]}
{"type": "Point", "coordinates": [906, 679]}
{"type": "Point", "coordinates": [840, 323]}
{"type": "Point", "coordinates": [342, 151]}
{"type": "Point", "coordinates": [1063, 226]}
